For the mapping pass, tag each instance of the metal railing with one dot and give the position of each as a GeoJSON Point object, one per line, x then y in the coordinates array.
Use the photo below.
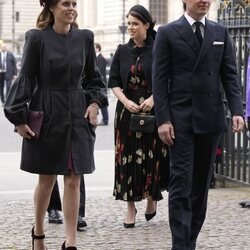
{"type": "Point", "coordinates": [235, 156]}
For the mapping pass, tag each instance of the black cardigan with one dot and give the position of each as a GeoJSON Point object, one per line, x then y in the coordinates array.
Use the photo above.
{"type": "Point", "coordinates": [123, 59]}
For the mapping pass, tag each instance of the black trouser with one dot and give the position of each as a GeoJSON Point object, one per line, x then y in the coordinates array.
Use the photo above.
{"type": "Point", "coordinates": [55, 201]}
{"type": "Point", "coordinates": [8, 86]}
{"type": "Point", "coordinates": [105, 115]}
{"type": "Point", "coordinates": [192, 160]}
{"type": "Point", "coordinates": [2, 79]}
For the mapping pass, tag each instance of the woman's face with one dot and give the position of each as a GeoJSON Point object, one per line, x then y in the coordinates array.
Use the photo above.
{"type": "Point", "coordinates": [65, 11]}
{"type": "Point", "coordinates": [137, 29]}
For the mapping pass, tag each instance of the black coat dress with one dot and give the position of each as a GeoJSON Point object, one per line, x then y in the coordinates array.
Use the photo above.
{"type": "Point", "coordinates": [58, 76]}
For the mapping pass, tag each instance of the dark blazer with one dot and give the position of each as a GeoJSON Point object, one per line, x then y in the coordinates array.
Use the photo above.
{"type": "Point", "coordinates": [188, 79]}
{"type": "Point", "coordinates": [11, 66]}
{"type": "Point", "coordinates": [124, 58]}
{"type": "Point", "coordinates": [101, 64]}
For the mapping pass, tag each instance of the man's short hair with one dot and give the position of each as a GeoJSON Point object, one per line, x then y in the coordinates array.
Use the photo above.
{"type": "Point", "coordinates": [98, 46]}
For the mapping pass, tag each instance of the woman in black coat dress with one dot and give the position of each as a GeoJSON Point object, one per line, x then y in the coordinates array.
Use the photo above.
{"type": "Point", "coordinates": [59, 77]}
{"type": "Point", "coordinates": [141, 159]}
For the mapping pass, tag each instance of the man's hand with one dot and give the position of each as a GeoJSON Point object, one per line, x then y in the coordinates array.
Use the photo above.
{"type": "Point", "coordinates": [166, 133]}
{"type": "Point", "coordinates": [238, 123]}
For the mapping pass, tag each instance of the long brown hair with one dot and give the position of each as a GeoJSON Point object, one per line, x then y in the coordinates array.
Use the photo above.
{"type": "Point", "coordinates": [46, 17]}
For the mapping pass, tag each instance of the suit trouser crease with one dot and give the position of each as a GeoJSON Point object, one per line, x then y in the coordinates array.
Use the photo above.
{"type": "Point", "coordinates": [192, 162]}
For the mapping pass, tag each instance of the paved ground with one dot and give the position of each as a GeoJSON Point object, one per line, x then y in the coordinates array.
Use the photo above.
{"type": "Point", "coordinates": [227, 226]}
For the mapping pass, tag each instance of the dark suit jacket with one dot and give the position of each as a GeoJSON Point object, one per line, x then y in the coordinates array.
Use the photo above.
{"type": "Point", "coordinates": [187, 79]}
{"type": "Point", "coordinates": [101, 64]}
{"type": "Point", "coordinates": [123, 59]}
{"type": "Point", "coordinates": [11, 66]}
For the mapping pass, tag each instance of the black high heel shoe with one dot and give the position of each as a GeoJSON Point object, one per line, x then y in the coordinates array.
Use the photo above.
{"type": "Point", "coordinates": [130, 225]}
{"type": "Point", "coordinates": [35, 237]}
{"type": "Point", "coordinates": [151, 216]}
{"type": "Point", "coordinates": [67, 248]}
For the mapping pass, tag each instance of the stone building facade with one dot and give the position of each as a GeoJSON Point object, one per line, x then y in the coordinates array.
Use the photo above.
{"type": "Point", "coordinates": [107, 18]}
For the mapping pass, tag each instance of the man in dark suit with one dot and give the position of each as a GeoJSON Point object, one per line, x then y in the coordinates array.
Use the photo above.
{"type": "Point", "coordinates": [2, 74]}
{"type": "Point", "coordinates": [8, 71]}
{"type": "Point", "coordinates": [101, 64]}
{"type": "Point", "coordinates": [192, 62]}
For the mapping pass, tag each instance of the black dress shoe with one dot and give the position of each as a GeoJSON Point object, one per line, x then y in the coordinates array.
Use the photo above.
{"type": "Point", "coordinates": [245, 203]}
{"type": "Point", "coordinates": [81, 224]}
{"type": "Point", "coordinates": [55, 217]}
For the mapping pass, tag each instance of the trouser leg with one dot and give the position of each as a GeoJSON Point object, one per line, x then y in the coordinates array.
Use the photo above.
{"type": "Point", "coordinates": [8, 85]}
{"type": "Point", "coordinates": [82, 197]}
{"type": "Point", "coordinates": [205, 152]}
{"type": "Point", "coordinates": [55, 200]}
{"type": "Point", "coordinates": [105, 115]}
{"type": "Point", "coordinates": [192, 160]}
{"type": "Point", "coordinates": [180, 213]}
{"type": "Point", "coordinates": [2, 76]}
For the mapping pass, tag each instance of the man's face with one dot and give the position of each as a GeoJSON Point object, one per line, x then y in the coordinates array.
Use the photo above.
{"type": "Point", "coordinates": [197, 8]}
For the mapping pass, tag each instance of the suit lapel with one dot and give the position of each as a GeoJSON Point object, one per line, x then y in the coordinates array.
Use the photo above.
{"type": "Point", "coordinates": [186, 32]}
{"type": "Point", "coordinates": [208, 40]}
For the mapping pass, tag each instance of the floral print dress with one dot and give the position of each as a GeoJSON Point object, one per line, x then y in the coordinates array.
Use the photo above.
{"type": "Point", "coordinates": [141, 160]}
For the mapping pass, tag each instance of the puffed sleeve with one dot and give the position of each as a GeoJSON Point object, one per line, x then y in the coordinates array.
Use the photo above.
{"type": "Point", "coordinates": [16, 105]}
{"type": "Point", "coordinates": [114, 73]}
{"type": "Point", "coordinates": [92, 81]}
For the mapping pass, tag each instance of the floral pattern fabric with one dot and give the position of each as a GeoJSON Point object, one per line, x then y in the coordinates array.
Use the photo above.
{"type": "Point", "coordinates": [141, 160]}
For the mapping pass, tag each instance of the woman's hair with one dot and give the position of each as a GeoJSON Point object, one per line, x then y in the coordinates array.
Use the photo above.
{"type": "Point", "coordinates": [144, 16]}
{"type": "Point", "coordinates": [46, 17]}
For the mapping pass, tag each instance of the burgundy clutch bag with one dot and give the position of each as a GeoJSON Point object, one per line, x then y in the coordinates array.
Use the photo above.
{"type": "Point", "coordinates": [35, 121]}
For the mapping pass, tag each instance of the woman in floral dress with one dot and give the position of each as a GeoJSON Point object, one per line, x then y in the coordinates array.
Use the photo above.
{"type": "Point", "coordinates": [141, 159]}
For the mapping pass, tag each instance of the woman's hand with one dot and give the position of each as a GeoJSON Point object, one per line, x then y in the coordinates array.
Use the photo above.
{"type": "Point", "coordinates": [131, 106]}
{"type": "Point", "coordinates": [147, 105]}
{"type": "Point", "coordinates": [91, 113]}
{"type": "Point", "coordinates": [25, 131]}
